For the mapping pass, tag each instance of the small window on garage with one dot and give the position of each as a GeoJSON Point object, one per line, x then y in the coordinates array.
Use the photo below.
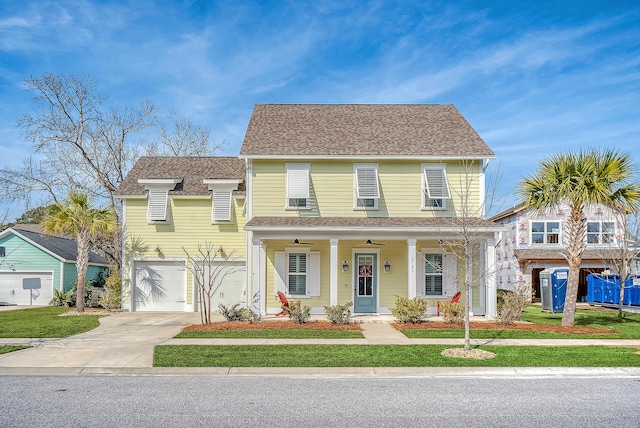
{"type": "Point", "coordinates": [2, 252]}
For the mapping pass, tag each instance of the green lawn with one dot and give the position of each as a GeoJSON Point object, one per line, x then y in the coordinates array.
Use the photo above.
{"type": "Point", "coordinates": [273, 334]}
{"type": "Point", "coordinates": [44, 322]}
{"type": "Point", "coordinates": [628, 327]}
{"type": "Point", "coordinates": [388, 356]}
{"type": "Point", "coordinates": [7, 349]}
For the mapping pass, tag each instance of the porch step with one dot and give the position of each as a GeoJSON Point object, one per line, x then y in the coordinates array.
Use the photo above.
{"type": "Point", "coordinates": [381, 333]}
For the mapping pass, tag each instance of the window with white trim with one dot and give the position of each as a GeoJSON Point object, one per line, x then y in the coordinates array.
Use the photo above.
{"type": "Point", "coordinates": [297, 186]}
{"type": "Point", "coordinates": [435, 187]}
{"type": "Point", "coordinates": [545, 232]}
{"type": "Point", "coordinates": [367, 187]}
{"type": "Point", "coordinates": [600, 232]}
{"type": "Point", "coordinates": [297, 274]}
{"type": "Point", "coordinates": [433, 274]}
{"type": "Point", "coordinates": [157, 204]}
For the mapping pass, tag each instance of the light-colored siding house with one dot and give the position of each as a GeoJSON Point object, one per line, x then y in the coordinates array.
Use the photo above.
{"type": "Point", "coordinates": [534, 241]}
{"type": "Point", "coordinates": [173, 206]}
{"type": "Point", "coordinates": [361, 203]}
{"type": "Point", "coordinates": [33, 264]}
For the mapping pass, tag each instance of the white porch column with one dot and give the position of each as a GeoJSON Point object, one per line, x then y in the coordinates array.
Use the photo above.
{"type": "Point", "coordinates": [411, 267]}
{"type": "Point", "coordinates": [333, 273]}
{"type": "Point", "coordinates": [491, 292]}
{"type": "Point", "coordinates": [258, 257]}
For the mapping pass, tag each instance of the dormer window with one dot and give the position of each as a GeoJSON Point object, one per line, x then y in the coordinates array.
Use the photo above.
{"type": "Point", "coordinates": [367, 188]}
{"type": "Point", "coordinates": [435, 186]}
{"type": "Point", "coordinates": [297, 191]}
{"type": "Point", "coordinates": [222, 199]}
{"type": "Point", "coordinates": [158, 197]}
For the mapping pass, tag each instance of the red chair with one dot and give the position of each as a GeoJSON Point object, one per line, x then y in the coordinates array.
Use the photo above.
{"type": "Point", "coordinates": [454, 299]}
{"type": "Point", "coordinates": [284, 302]}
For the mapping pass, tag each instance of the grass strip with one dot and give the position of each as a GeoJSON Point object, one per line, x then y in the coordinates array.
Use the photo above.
{"type": "Point", "coordinates": [10, 348]}
{"type": "Point", "coordinates": [273, 334]}
{"type": "Point", "coordinates": [388, 356]}
{"type": "Point", "coordinates": [44, 322]}
{"type": "Point", "coordinates": [458, 333]}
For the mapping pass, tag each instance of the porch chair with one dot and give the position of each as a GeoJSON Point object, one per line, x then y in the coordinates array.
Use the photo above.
{"type": "Point", "coordinates": [454, 299]}
{"type": "Point", "coordinates": [284, 302]}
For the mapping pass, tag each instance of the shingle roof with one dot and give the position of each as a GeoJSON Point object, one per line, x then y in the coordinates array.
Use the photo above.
{"type": "Point", "coordinates": [557, 254]}
{"type": "Point", "coordinates": [62, 247]}
{"type": "Point", "coordinates": [423, 130]}
{"type": "Point", "coordinates": [353, 223]}
{"type": "Point", "coordinates": [192, 170]}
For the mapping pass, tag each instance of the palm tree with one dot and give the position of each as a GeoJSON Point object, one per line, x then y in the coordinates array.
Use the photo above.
{"type": "Point", "coordinates": [579, 179]}
{"type": "Point", "coordinates": [75, 217]}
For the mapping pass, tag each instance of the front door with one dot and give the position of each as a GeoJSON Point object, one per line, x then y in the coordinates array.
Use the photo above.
{"type": "Point", "coordinates": [365, 283]}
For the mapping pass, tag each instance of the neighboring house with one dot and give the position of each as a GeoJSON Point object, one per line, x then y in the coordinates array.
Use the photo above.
{"type": "Point", "coordinates": [356, 203]}
{"type": "Point", "coordinates": [173, 204]}
{"type": "Point", "coordinates": [534, 241]}
{"type": "Point", "coordinates": [33, 264]}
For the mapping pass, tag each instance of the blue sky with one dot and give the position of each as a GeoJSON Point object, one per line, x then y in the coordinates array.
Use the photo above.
{"type": "Point", "coordinates": [532, 77]}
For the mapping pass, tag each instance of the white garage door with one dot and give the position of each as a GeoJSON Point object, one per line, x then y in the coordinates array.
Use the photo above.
{"type": "Point", "coordinates": [159, 286]}
{"type": "Point", "coordinates": [26, 288]}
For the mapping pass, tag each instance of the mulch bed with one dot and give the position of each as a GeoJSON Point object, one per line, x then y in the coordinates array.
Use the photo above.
{"type": "Point", "coordinates": [272, 325]}
{"type": "Point", "coordinates": [492, 325]}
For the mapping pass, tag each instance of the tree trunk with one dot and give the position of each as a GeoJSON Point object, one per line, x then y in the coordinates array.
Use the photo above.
{"type": "Point", "coordinates": [468, 271]}
{"type": "Point", "coordinates": [82, 262]}
{"type": "Point", "coordinates": [576, 244]}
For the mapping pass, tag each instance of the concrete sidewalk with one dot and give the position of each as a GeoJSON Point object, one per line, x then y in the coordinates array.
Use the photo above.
{"type": "Point", "coordinates": [124, 343]}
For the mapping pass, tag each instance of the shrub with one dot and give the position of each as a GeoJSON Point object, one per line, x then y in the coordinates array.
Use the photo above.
{"type": "Point", "coordinates": [253, 317]}
{"type": "Point", "coordinates": [62, 298]}
{"type": "Point", "coordinates": [338, 314]}
{"type": "Point", "coordinates": [111, 298]}
{"type": "Point", "coordinates": [500, 295]}
{"type": "Point", "coordinates": [233, 313]}
{"type": "Point", "coordinates": [452, 313]}
{"type": "Point", "coordinates": [511, 308]}
{"type": "Point", "coordinates": [410, 311]}
{"type": "Point", "coordinates": [299, 314]}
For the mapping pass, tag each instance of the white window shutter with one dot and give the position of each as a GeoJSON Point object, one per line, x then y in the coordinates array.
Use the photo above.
{"type": "Point", "coordinates": [221, 205]}
{"type": "Point", "coordinates": [420, 275]}
{"type": "Point", "coordinates": [367, 183]}
{"type": "Point", "coordinates": [450, 274]}
{"type": "Point", "coordinates": [297, 181]}
{"type": "Point", "coordinates": [436, 183]}
{"type": "Point", "coordinates": [157, 204]}
{"type": "Point", "coordinates": [280, 272]}
{"type": "Point", "coordinates": [313, 274]}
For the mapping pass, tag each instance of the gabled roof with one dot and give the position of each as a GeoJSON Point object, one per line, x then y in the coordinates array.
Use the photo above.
{"type": "Point", "coordinates": [62, 248]}
{"type": "Point", "coordinates": [191, 170]}
{"type": "Point", "coordinates": [389, 130]}
{"type": "Point", "coordinates": [508, 212]}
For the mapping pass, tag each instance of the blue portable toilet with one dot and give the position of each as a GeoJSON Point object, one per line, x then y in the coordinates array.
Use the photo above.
{"type": "Point", "coordinates": [553, 289]}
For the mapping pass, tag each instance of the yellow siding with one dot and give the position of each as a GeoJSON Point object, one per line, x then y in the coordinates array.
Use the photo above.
{"type": "Point", "coordinates": [189, 225]}
{"type": "Point", "coordinates": [332, 190]}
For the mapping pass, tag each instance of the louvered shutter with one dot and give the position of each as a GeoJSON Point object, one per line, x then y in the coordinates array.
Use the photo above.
{"type": "Point", "coordinates": [297, 181]}
{"type": "Point", "coordinates": [367, 183]}
{"type": "Point", "coordinates": [221, 205]}
{"type": "Point", "coordinates": [280, 272]}
{"type": "Point", "coordinates": [313, 274]}
{"type": "Point", "coordinates": [450, 274]}
{"type": "Point", "coordinates": [157, 204]}
{"type": "Point", "coordinates": [436, 183]}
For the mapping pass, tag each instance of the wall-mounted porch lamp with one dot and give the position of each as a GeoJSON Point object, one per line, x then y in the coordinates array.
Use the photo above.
{"type": "Point", "coordinates": [345, 266]}
{"type": "Point", "coordinates": [387, 266]}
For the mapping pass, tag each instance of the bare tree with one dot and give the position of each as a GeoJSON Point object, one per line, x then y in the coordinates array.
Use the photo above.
{"type": "Point", "coordinates": [210, 265]}
{"type": "Point", "coordinates": [181, 137]}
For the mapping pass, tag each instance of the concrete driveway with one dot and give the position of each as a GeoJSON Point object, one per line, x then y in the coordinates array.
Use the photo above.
{"type": "Point", "coordinates": [122, 340]}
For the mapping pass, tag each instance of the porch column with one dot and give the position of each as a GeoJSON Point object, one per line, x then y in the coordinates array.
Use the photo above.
{"type": "Point", "coordinates": [411, 267]}
{"type": "Point", "coordinates": [258, 268]}
{"type": "Point", "coordinates": [333, 273]}
{"type": "Point", "coordinates": [490, 293]}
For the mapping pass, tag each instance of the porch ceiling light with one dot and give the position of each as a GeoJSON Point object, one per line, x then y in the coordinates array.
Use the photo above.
{"type": "Point", "coordinates": [387, 266]}
{"type": "Point", "coordinates": [345, 266]}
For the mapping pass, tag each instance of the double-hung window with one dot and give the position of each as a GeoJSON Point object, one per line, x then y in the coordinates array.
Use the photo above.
{"type": "Point", "coordinates": [3, 252]}
{"type": "Point", "coordinates": [297, 274]}
{"type": "Point", "coordinates": [435, 187]}
{"type": "Point", "coordinates": [433, 274]}
{"type": "Point", "coordinates": [600, 232]}
{"type": "Point", "coordinates": [297, 191]}
{"type": "Point", "coordinates": [367, 188]}
{"type": "Point", "coordinates": [545, 232]}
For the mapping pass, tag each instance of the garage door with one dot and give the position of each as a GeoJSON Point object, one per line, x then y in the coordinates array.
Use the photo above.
{"type": "Point", "coordinates": [229, 289]}
{"type": "Point", "coordinates": [26, 288]}
{"type": "Point", "coordinates": [159, 286]}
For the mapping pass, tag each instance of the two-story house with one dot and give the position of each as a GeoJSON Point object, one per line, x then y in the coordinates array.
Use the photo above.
{"type": "Point", "coordinates": [534, 241]}
{"type": "Point", "coordinates": [326, 203]}
{"type": "Point", "coordinates": [359, 203]}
